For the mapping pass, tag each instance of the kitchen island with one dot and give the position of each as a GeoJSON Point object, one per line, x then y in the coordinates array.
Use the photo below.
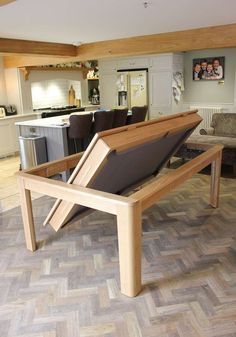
{"type": "Point", "coordinates": [54, 129]}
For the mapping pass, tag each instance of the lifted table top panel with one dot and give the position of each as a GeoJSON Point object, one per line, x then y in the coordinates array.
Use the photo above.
{"type": "Point", "coordinates": [119, 158]}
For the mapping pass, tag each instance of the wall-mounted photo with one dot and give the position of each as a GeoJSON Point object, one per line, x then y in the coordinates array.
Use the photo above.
{"type": "Point", "coordinates": [209, 68]}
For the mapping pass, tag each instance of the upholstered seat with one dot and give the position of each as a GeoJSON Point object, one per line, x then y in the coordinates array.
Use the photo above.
{"type": "Point", "coordinates": [103, 120]}
{"type": "Point", "coordinates": [222, 131]}
{"type": "Point", "coordinates": [80, 129]}
{"type": "Point", "coordinates": [138, 114]}
{"type": "Point", "coordinates": [120, 117]}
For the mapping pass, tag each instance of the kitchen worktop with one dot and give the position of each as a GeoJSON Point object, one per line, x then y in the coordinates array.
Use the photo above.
{"type": "Point", "coordinates": [52, 122]}
{"type": "Point", "coordinates": [36, 114]}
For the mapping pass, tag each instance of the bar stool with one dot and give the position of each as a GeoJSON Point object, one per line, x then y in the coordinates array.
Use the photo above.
{"type": "Point", "coordinates": [103, 120]}
{"type": "Point", "coordinates": [138, 114]}
{"type": "Point", "coordinates": [80, 129]}
{"type": "Point", "coordinates": [120, 117]}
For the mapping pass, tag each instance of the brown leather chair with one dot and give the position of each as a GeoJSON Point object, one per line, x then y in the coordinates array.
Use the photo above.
{"type": "Point", "coordinates": [103, 120]}
{"type": "Point", "coordinates": [80, 130]}
{"type": "Point", "coordinates": [138, 114]}
{"type": "Point", "coordinates": [120, 117]}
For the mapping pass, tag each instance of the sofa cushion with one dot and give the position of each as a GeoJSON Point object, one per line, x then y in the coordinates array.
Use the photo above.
{"type": "Point", "coordinates": [227, 142]}
{"type": "Point", "coordinates": [224, 124]}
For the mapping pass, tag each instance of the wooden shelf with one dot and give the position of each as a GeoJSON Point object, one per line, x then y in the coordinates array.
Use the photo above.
{"type": "Point", "coordinates": [54, 68]}
{"type": "Point", "coordinates": [26, 70]}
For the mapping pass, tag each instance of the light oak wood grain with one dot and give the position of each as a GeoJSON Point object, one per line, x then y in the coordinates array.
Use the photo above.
{"type": "Point", "coordinates": [36, 48]}
{"type": "Point", "coordinates": [127, 209]}
{"type": "Point", "coordinates": [223, 36]}
{"type": "Point", "coordinates": [129, 241]}
{"type": "Point", "coordinates": [5, 2]}
{"type": "Point", "coordinates": [27, 215]}
{"type": "Point", "coordinates": [157, 189]}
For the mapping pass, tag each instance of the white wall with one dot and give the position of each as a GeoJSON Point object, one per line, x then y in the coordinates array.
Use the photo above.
{"type": "Point", "coordinates": [211, 93]}
{"type": "Point", "coordinates": [3, 94]}
{"type": "Point", "coordinates": [59, 79]}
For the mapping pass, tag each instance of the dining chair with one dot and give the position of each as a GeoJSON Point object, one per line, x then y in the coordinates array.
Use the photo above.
{"type": "Point", "coordinates": [138, 114]}
{"type": "Point", "coordinates": [80, 129]}
{"type": "Point", "coordinates": [120, 117]}
{"type": "Point", "coordinates": [103, 120]}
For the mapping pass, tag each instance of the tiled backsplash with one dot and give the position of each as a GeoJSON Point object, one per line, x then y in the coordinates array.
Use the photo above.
{"type": "Point", "coordinates": [53, 92]}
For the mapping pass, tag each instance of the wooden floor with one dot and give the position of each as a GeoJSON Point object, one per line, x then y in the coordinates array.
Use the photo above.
{"type": "Point", "coordinates": [9, 195]}
{"type": "Point", "coordinates": [70, 286]}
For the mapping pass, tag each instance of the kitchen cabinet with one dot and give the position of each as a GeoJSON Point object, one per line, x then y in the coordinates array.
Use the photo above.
{"type": "Point", "coordinates": [107, 66]}
{"type": "Point", "coordinates": [160, 94]}
{"type": "Point", "coordinates": [160, 72]}
{"type": "Point", "coordinates": [161, 100]}
{"type": "Point", "coordinates": [133, 63]}
{"type": "Point", "coordinates": [7, 142]}
{"type": "Point", "coordinates": [108, 90]}
{"type": "Point", "coordinates": [161, 62]}
{"type": "Point", "coordinates": [9, 134]}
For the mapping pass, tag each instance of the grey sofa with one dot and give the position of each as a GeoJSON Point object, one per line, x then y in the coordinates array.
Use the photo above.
{"type": "Point", "coordinates": [222, 131]}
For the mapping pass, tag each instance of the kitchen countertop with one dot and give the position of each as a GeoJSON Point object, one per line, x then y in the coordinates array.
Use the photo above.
{"type": "Point", "coordinates": [19, 116]}
{"type": "Point", "coordinates": [52, 122]}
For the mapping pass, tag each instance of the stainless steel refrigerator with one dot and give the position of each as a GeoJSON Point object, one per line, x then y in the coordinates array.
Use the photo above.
{"type": "Point", "coordinates": [132, 88]}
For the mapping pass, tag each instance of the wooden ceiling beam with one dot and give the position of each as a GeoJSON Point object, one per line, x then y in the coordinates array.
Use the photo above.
{"type": "Point", "coordinates": [5, 2]}
{"type": "Point", "coordinates": [17, 61]}
{"type": "Point", "coordinates": [187, 40]}
{"type": "Point", "coordinates": [13, 46]}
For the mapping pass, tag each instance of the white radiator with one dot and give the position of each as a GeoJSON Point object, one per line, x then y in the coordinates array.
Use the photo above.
{"type": "Point", "coordinates": [206, 113]}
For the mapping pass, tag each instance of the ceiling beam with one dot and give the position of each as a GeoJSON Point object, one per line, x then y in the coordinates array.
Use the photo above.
{"type": "Point", "coordinates": [5, 2]}
{"type": "Point", "coordinates": [13, 46]}
{"type": "Point", "coordinates": [17, 61]}
{"type": "Point", "coordinates": [187, 40]}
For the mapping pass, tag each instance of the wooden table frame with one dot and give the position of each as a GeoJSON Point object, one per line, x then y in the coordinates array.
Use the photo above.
{"type": "Point", "coordinates": [128, 209]}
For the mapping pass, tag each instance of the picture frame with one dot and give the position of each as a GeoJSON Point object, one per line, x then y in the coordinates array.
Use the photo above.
{"type": "Point", "coordinates": [209, 68]}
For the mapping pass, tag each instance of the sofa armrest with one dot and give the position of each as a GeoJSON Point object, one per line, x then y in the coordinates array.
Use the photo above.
{"type": "Point", "coordinates": [209, 131]}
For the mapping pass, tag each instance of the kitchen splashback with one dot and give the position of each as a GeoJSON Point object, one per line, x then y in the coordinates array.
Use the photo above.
{"type": "Point", "coordinates": [53, 92]}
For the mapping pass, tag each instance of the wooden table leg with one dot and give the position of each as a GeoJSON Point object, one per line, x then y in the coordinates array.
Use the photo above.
{"type": "Point", "coordinates": [215, 181]}
{"type": "Point", "coordinates": [27, 215]}
{"type": "Point", "coordinates": [129, 240]}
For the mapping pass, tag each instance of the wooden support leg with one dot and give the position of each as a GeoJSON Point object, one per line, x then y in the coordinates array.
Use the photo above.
{"type": "Point", "coordinates": [215, 181]}
{"type": "Point", "coordinates": [129, 240]}
{"type": "Point", "coordinates": [27, 215]}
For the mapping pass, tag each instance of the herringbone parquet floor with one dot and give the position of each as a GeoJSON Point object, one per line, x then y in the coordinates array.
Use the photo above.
{"type": "Point", "coordinates": [70, 286]}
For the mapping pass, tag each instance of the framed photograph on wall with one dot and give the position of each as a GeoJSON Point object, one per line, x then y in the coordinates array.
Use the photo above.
{"type": "Point", "coordinates": [209, 68]}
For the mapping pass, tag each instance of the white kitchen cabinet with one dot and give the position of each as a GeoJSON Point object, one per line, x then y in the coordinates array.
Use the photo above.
{"type": "Point", "coordinates": [7, 142]}
{"type": "Point", "coordinates": [160, 93]}
{"type": "Point", "coordinates": [108, 90]}
{"type": "Point", "coordinates": [161, 62]}
{"type": "Point", "coordinates": [160, 72]}
{"type": "Point", "coordinates": [107, 66]}
{"type": "Point", "coordinates": [9, 135]}
{"type": "Point", "coordinates": [133, 63]}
